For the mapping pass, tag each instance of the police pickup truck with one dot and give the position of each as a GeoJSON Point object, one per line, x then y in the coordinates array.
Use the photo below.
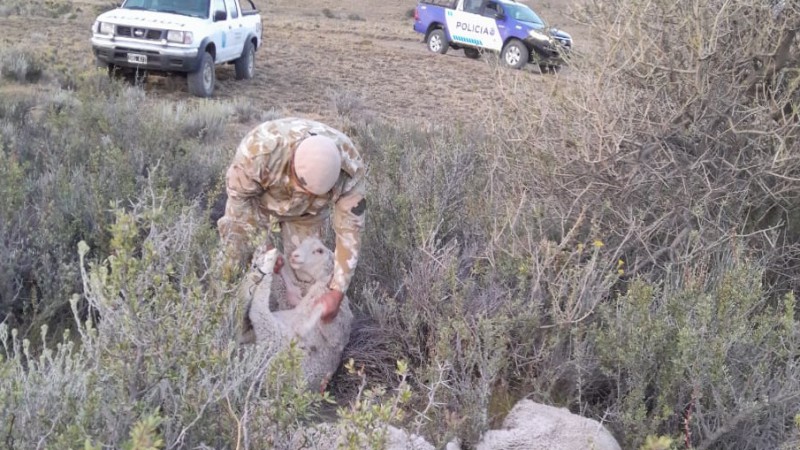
{"type": "Point", "coordinates": [179, 36]}
{"type": "Point", "coordinates": [505, 26]}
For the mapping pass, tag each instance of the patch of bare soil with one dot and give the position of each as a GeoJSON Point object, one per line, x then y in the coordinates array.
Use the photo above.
{"type": "Point", "coordinates": [360, 57]}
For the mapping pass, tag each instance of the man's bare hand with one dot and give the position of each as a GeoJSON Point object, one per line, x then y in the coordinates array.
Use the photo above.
{"type": "Point", "coordinates": [330, 302]}
{"type": "Point", "coordinates": [278, 264]}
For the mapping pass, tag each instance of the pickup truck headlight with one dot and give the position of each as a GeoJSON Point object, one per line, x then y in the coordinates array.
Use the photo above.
{"type": "Point", "coordinates": [539, 36]}
{"type": "Point", "coordinates": [105, 28]}
{"type": "Point", "coordinates": [181, 37]}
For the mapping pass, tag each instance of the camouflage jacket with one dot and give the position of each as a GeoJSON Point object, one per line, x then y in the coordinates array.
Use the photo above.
{"type": "Point", "coordinates": [259, 185]}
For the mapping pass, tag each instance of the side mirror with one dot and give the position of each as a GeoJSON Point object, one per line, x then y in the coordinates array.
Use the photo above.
{"type": "Point", "coordinates": [220, 16]}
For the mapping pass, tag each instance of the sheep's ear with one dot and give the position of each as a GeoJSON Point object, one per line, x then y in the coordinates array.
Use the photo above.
{"type": "Point", "coordinates": [296, 240]}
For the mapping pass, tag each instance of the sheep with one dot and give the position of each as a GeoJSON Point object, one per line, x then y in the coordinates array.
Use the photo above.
{"type": "Point", "coordinates": [306, 279]}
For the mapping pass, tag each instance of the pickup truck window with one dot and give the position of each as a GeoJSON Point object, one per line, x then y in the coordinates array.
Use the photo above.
{"type": "Point", "coordinates": [493, 10]}
{"type": "Point", "coordinates": [473, 6]}
{"type": "Point", "coordinates": [523, 14]}
{"type": "Point", "coordinates": [193, 8]}
{"type": "Point", "coordinates": [233, 13]}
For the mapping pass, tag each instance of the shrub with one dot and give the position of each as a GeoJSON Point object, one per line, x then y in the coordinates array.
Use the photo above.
{"type": "Point", "coordinates": [158, 336]}
{"type": "Point", "coordinates": [704, 357]}
{"type": "Point", "coordinates": [85, 151]}
{"type": "Point", "coordinates": [19, 65]}
{"type": "Point", "coordinates": [621, 242]}
{"type": "Point", "coordinates": [45, 8]}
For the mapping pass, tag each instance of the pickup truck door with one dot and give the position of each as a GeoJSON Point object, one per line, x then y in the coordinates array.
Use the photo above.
{"type": "Point", "coordinates": [470, 27]}
{"type": "Point", "coordinates": [219, 29]}
{"type": "Point", "coordinates": [236, 30]}
{"type": "Point", "coordinates": [222, 31]}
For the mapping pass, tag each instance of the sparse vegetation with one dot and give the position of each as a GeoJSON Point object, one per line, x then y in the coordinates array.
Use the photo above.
{"type": "Point", "coordinates": [45, 8]}
{"type": "Point", "coordinates": [624, 244]}
{"type": "Point", "coordinates": [19, 65]}
{"type": "Point", "coordinates": [329, 14]}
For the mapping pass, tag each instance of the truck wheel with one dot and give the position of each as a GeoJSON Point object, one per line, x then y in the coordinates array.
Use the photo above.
{"type": "Point", "coordinates": [437, 41]}
{"type": "Point", "coordinates": [515, 54]}
{"type": "Point", "coordinates": [472, 53]}
{"type": "Point", "coordinates": [201, 81]}
{"type": "Point", "coordinates": [246, 66]}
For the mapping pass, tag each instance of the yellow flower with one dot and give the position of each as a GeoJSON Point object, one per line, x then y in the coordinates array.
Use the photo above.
{"type": "Point", "coordinates": [597, 243]}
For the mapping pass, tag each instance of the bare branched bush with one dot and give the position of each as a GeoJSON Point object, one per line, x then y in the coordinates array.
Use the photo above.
{"type": "Point", "coordinates": [350, 106]}
{"type": "Point", "coordinates": [673, 145]}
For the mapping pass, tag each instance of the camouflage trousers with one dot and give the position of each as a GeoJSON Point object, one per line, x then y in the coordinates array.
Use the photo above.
{"type": "Point", "coordinates": [315, 225]}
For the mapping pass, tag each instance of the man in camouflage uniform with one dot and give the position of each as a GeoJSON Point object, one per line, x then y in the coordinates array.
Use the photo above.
{"type": "Point", "coordinates": [293, 172]}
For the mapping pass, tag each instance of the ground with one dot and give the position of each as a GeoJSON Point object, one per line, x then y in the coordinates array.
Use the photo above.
{"type": "Point", "coordinates": [318, 54]}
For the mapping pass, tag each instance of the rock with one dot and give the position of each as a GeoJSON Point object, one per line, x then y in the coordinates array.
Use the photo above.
{"type": "Point", "coordinates": [534, 426]}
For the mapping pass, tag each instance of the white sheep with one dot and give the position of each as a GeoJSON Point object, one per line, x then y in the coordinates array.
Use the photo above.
{"type": "Point", "coordinates": [306, 279]}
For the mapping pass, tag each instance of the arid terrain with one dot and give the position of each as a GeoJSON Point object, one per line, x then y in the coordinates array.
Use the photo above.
{"type": "Point", "coordinates": [364, 53]}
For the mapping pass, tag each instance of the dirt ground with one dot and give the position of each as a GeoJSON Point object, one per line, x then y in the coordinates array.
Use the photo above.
{"type": "Point", "coordinates": [362, 52]}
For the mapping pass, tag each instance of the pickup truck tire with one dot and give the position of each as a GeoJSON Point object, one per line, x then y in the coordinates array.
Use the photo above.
{"type": "Point", "coordinates": [515, 54]}
{"type": "Point", "coordinates": [245, 65]}
{"type": "Point", "coordinates": [437, 41]}
{"type": "Point", "coordinates": [472, 53]}
{"type": "Point", "coordinates": [201, 81]}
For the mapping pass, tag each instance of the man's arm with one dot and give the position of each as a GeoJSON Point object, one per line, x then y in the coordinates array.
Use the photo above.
{"type": "Point", "coordinates": [240, 221]}
{"type": "Point", "coordinates": [348, 222]}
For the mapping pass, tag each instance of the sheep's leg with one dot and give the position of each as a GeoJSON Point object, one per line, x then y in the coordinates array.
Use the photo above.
{"type": "Point", "coordinates": [264, 323]}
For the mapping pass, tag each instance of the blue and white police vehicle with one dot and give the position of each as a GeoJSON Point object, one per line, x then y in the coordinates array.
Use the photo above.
{"type": "Point", "coordinates": [508, 27]}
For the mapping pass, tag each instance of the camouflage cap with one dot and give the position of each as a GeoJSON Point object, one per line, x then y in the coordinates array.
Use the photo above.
{"type": "Point", "coordinates": [317, 164]}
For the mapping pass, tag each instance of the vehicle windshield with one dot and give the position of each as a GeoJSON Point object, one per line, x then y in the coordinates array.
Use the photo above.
{"type": "Point", "coordinates": [522, 13]}
{"type": "Point", "coordinates": [192, 8]}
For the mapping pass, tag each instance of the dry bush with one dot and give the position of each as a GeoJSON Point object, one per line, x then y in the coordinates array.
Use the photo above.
{"type": "Point", "coordinates": [350, 106]}
{"type": "Point", "coordinates": [673, 145]}
{"type": "Point", "coordinates": [621, 243]}
{"type": "Point", "coordinates": [45, 8]}
{"type": "Point", "coordinates": [78, 153]}
{"type": "Point", "coordinates": [157, 346]}
{"type": "Point", "coordinates": [19, 65]}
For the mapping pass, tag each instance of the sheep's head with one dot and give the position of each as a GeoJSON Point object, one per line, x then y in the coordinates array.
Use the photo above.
{"type": "Point", "coordinates": [311, 260]}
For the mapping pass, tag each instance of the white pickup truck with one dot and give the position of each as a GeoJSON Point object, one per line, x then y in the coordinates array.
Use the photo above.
{"type": "Point", "coordinates": [179, 36]}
